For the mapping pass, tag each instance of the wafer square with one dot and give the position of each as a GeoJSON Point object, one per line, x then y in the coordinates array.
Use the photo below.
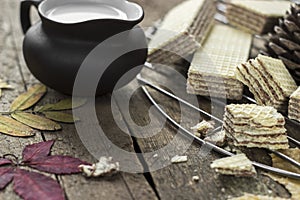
{"type": "Point", "coordinates": [256, 16]}
{"type": "Point", "coordinates": [182, 31]}
{"type": "Point", "coordinates": [268, 80]}
{"type": "Point", "coordinates": [251, 125]}
{"type": "Point", "coordinates": [238, 165]}
{"type": "Point", "coordinates": [294, 105]}
{"type": "Point", "coordinates": [212, 71]}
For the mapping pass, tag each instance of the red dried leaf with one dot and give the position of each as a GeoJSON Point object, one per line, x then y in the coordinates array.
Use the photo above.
{"type": "Point", "coordinates": [6, 176]}
{"type": "Point", "coordinates": [35, 186]}
{"type": "Point", "coordinates": [4, 161]}
{"type": "Point", "coordinates": [37, 151]}
{"type": "Point", "coordinates": [58, 164]}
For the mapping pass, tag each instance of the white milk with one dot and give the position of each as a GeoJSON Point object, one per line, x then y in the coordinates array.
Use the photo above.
{"type": "Point", "coordinates": [79, 12]}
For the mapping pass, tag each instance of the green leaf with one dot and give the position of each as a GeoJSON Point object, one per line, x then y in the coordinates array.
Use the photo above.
{"type": "Point", "coordinates": [60, 117]}
{"type": "Point", "coordinates": [12, 127]}
{"type": "Point", "coordinates": [29, 98]}
{"type": "Point", "coordinates": [35, 121]}
{"type": "Point", "coordinates": [64, 104]}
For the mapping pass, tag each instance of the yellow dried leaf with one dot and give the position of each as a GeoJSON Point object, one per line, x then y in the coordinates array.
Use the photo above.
{"type": "Point", "coordinates": [292, 185]}
{"type": "Point", "coordinates": [29, 98]}
{"type": "Point", "coordinates": [64, 104]}
{"type": "Point", "coordinates": [60, 117]}
{"type": "Point", "coordinates": [248, 196]}
{"type": "Point", "coordinates": [280, 163]}
{"type": "Point", "coordinates": [35, 121]}
{"type": "Point", "coordinates": [12, 127]}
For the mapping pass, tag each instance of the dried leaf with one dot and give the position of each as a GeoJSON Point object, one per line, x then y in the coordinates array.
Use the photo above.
{"type": "Point", "coordinates": [57, 164]}
{"type": "Point", "coordinates": [60, 117]}
{"type": "Point", "coordinates": [4, 161]}
{"type": "Point", "coordinates": [36, 121]}
{"type": "Point", "coordinates": [29, 98]}
{"type": "Point", "coordinates": [64, 104]}
{"type": "Point", "coordinates": [37, 150]}
{"type": "Point", "coordinates": [34, 186]}
{"type": "Point", "coordinates": [6, 176]}
{"type": "Point", "coordinates": [280, 163]}
{"type": "Point", "coordinates": [248, 196]}
{"type": "Point", "coordinates": [292, 185]}
{"type": "Point", "coordinates": [12, 127]}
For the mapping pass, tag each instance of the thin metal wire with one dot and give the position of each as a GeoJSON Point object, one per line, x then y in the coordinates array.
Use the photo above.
{"type": "Point", "coordinates": [146, 82]}
{"type": "Point", "coordinates": [283, 156]}
{"type": "Point", "coordinates": [294, 141]}
{"type": "Point", "coordinates": [214, 147]}
{"type": "Point", "coordinates": [215, 130]}
{"type": "Point", "coordinates": [189, 134]}
{"type": "Point", "coordinates": [249, 99]}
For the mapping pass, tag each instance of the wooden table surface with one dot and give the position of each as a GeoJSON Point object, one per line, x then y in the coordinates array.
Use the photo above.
{"type": "Point", "coordinates": [172, 182]}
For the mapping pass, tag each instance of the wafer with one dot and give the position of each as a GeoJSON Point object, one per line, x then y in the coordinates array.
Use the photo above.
{"type": "Point", "coordinates": [268, 80]}
{"type": "Point", "coordinates": [182, 31]}
{"type": "Point", "coordinates": [212, 70]}
{"type": "Point", "coordinates": [251, 125]}
{"type": "Point", "coordinates": [218, 138]}
{"type": "Point", "coordinates": [238, 165]}
{"type": "Point", "coordinates": [203, 128]}
{"type": "Point", "coordinates": [248, 196]}
{"type": "Point", "coordinates": [294, 105]}
{"type": "Point", "coordinates": [256, 16]}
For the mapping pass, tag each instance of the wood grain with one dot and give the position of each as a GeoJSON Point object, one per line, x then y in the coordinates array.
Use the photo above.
{"type": "Point", "coordinates": [171, 182]}
{"type": "Point", "coordinates": [121, 186]}
{"type": "Point", "coordinates": [175, 181]}
{"type": "Point", "coordinates": [155, 10]}
{"type": "Point", "coordinates": [9, 71]}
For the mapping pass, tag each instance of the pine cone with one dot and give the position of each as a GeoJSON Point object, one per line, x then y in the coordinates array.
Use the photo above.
{"type": "Point", "coordinates": [284, 43]}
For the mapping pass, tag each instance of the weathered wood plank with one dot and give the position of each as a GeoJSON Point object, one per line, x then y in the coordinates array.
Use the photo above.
{"type": "Point", "coordinates": [9, 71]}
{"type": "Point", "coordinates": [172, 182]}
{"type": "Point", "coordinates": [121, 186]}
{"type": "Point", "coordinates": [175, 180]}
{"type": "Point", "coordinates": [155, 10]}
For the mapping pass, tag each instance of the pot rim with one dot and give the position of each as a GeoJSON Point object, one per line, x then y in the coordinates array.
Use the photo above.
{"type": "Point", "coordinates": [124, 4]}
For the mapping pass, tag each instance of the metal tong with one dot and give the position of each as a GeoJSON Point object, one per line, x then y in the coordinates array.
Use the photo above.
{"type": "Point", "coordinates": [220, 16]}
{"type": "Point", "coordinates": [220, 150]}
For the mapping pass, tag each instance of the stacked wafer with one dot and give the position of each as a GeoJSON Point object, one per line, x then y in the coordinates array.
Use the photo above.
{"type": "Point", "coordinates": [294, 105]}
{"type": "Point", "coordinates": [238, 165]}
{"type": "Point", "coordinates": [251, 125]}
{"type": "Point", "coordinates": [212, 70]}
{"type": "Point", "coordinates": [256, 16]}
{"type": "Point", "coordinates": [268, 80]}
{"type": "Point", "coordinates": [182, 31]}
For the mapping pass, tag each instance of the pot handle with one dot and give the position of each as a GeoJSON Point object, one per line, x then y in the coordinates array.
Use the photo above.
{"type": "Point", "coordinates": [25, 13]}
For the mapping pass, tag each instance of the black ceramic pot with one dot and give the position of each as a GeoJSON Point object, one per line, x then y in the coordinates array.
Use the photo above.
{"type": "Point", "coordinates": [54, 49]}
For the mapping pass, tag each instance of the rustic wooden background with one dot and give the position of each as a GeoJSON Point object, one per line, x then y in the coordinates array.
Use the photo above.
{"type": "Point", "coordinates": [172, 182]}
